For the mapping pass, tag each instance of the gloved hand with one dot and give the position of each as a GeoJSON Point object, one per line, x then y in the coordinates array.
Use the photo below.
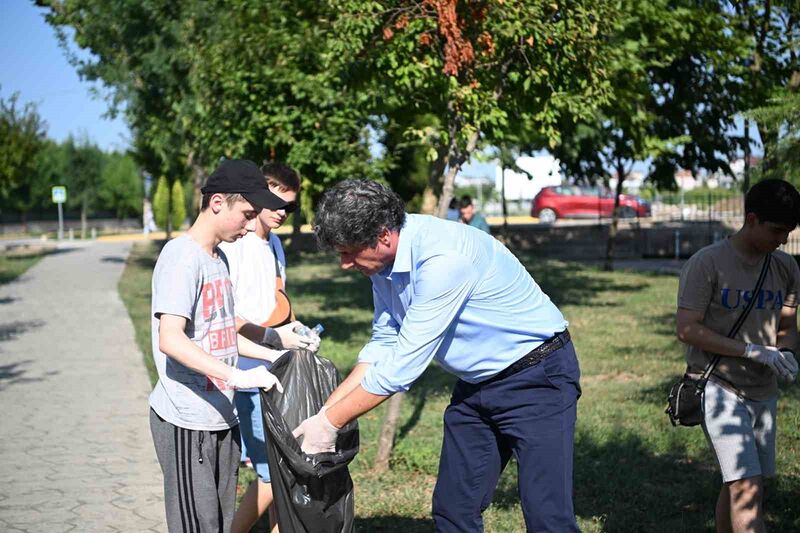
{"type": "Point", "coordinates": [788, 357]}
{"type": "Point", "coordinates": [773, 358]}
{"type": "Point", "coordinates": [289, 340]}
{"type": "Point", "coordinates": [319, 435]}
{"type": "Point", "coordinates": [255, 378]}
{"type": "Point", "coordinates": [308, 334]}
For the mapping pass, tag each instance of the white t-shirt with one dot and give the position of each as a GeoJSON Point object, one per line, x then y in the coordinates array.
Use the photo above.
{"type": "Point", "coordinates": [251, 260]}
{"type": "Point", "coordinates": [252, 270]}
{"type": "Point", "coordinates": [188, 282]}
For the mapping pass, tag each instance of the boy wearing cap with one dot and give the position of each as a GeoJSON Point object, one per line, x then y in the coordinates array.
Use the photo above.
{"type": "Point", "coordinates": [192, 417]}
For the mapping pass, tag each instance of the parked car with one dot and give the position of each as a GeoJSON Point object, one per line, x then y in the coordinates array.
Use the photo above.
{"type": "Point", "coordinates": [570, 201]}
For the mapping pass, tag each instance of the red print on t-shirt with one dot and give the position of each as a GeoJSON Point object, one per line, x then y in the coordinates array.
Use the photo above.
{"type": "Point", "coordinates": [214, 295]}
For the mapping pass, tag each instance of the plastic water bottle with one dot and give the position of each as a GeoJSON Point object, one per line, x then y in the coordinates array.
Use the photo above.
{"type": "Point", "coordinates": [305, 331]}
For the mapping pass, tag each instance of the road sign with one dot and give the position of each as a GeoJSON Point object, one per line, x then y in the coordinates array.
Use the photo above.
{"type": "Point", "coordinates": [59, 194]}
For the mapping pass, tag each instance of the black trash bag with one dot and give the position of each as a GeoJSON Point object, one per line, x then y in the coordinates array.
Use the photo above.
{"type": "Point", "coordinates": [312, 493]}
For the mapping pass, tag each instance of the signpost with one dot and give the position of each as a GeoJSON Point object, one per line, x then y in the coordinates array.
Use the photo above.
{"type": "Point", "coordinates": [59, 194]}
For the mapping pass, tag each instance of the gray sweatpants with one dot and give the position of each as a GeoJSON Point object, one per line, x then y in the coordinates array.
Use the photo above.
{"type": "Point", "coordinates": [200, 472]}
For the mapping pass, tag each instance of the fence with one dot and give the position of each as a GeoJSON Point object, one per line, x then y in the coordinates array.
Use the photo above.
{"type": "Point", "coordinates": [723, 211]}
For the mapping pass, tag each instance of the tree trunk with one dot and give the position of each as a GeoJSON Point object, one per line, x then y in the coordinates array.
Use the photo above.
{"type": "Point", "coordinates": [84, 209]}
{"type": "Point", "coordinates": [453, 161]}
{"type": "Point", "coordinates": [612, 232]}
{"type": "Point", "coordinates": [386, 439]}
{"type": "Point", "coordinates": [198, 179]}
{"type": "Point", "coordinates": [429, 201]}
{"type": "Point", "coordinates": [434, 187]}
{"type": "Point", "coordinates": [169, 211]}
{"type": "Point", "coordinates": [456, 157]}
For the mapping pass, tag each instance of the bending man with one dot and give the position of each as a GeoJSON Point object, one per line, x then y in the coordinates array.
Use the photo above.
{"type": "Point", "coordinates": [453, 293]}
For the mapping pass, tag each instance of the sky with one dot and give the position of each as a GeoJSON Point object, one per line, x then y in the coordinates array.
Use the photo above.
{"type": "Point", "coordinates": [33, 64]}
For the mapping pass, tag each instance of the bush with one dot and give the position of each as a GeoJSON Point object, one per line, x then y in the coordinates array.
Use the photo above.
{"type": "Point", "coordinates": [161, 203]}
{"type": "Point", "coordinates": [178, 205]}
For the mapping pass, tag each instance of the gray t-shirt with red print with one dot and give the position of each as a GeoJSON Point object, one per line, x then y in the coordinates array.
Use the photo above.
{"type": "Point", "coordinates": [188, 282]}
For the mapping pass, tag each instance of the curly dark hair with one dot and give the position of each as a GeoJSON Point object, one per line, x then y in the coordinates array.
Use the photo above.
{"type": "Point", "coordinates": [355, 212]}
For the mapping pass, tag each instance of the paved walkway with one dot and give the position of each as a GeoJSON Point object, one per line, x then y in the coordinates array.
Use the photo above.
{"type": "Point", "coordinates": [75, 446]}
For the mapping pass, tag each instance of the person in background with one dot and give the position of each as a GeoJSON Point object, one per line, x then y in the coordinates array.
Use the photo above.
{"type": "Point", "coordinates": [740, 399]}
{"type": "Point", "coordinates": [264, 315]}
{"type": "Point", "coordinates": [469, 216]}
{"type": "Point", "coordinates": [452, 210]}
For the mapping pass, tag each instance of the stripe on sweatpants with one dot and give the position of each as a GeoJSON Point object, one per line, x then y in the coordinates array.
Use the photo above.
{"type": "Point", "coordinates": [191, 482]}
{"type": "Point", "coordinates": [179, 467]}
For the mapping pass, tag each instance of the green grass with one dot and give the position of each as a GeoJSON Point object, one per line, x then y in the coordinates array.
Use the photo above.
{"type": "Point", "coordinates": [13, 266]}
{"type": "Point", "coordinates": [633, 471]}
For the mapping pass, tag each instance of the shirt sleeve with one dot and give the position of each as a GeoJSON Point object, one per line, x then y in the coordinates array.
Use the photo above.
{"type": "Point", "coordinates": [175, 288]}
{"type": "Point", "coordinates": [793, 286]}
{"type": "Point", "coordinates": [277, 246]}
{"type": "Point", "coordinates": [443, 285]}
{"type": "Point", "coordinates": [384, 333]}
{"type": "Point", "coordinates": [696, 285]}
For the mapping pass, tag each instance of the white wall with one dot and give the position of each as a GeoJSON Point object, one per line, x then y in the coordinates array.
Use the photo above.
{"type": "Point", "coordinates": [544, 169]}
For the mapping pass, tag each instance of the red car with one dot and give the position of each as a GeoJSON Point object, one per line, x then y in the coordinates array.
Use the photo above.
{"type": "Point", "coordinates": [570, 201]}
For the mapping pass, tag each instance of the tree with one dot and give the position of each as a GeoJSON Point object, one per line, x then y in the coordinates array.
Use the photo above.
{"type": "Point", "coordinates": [22, 134]}
{"type": "Point", "coordinates": [161, 203]}
{"type": "Point", "coordinates": [34, 192]}
{"type": "Point", "coordinates": [769, 30]}
{"type": "Point", "coordinates": [276, 97]}
{"type": "Point", "coordinates": [480, 68]}
{"type": "Point", "coordinates": [194, 92]}
{"type": "Point", "coordinates": [85, 163]}
{"type": "Point", "coordinates": [674, 99]}
{"type": "Point", "coordinates": [177, 205]}
{"type": "Point", "coordinates": [138, 53]}
{"type": "Point", "coordinates": [782, 114]}
{"type": "Point", "coordinates": [121, 186]}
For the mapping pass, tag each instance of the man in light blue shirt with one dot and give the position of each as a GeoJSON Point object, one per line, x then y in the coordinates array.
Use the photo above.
{"type": "Point", "coordinates": [452, 293]}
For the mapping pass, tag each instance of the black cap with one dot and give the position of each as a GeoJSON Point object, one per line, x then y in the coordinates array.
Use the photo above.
{"type": "Point", "coordinates": [245, 178]}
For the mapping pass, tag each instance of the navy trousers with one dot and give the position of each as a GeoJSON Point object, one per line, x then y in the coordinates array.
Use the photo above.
{"type": "Point", "coordinates": [530, 414]}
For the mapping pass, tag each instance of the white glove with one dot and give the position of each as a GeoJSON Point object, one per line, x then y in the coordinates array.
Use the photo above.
{"type": "Point", "coordinates": [319, 435]}
{"type": "Point", "coordinates": [255, 378]}
{"type": "Point", "coordinates": [290, 340]}
{"type": "Point", "coordinates": [312, 336]}
{"type": "Point", "coordinates": [791, 362]}
{"type": "Point", "coordinates": [773, 358]}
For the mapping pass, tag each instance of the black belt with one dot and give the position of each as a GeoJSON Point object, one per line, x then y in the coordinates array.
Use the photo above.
{"type": "Point", "coordinates": [534, 356]}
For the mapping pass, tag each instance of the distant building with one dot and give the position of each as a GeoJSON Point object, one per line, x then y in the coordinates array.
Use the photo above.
{"type": "Point", "coordinates": [686, 180]}
{"type": "Point", "coordinates": [544, 171]}
{"type": "Point", "coordinates": [633, 182]}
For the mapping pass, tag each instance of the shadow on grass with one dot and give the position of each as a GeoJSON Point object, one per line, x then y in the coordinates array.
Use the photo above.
{"type": "Point", "coordinates": [630, 489]}
{"type": "Point", "coordinates": [576, 283]}
{"type": "Point", "coordinates": [433, 382]}
{"type": "Point", "coordinates": [392, 524]}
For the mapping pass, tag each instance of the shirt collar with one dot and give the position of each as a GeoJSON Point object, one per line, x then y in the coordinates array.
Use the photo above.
{"type": "Point", "coordinates": [402, 259]}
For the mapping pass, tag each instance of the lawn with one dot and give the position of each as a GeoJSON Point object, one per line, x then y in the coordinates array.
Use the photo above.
{"type": "Point", "coordinates": [14, 265]}
{"type": "Point", "coordinates": [633, 471]}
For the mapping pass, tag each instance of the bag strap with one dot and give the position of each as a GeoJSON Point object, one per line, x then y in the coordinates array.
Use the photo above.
{"type": "Point", "coordinates": [738, 324]}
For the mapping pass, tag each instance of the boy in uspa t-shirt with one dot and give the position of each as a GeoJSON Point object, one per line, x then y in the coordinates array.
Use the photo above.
{"type": "Point", "coordinates": [740, 398]}
{"type": "Point", "coordinates": [192, 416]}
